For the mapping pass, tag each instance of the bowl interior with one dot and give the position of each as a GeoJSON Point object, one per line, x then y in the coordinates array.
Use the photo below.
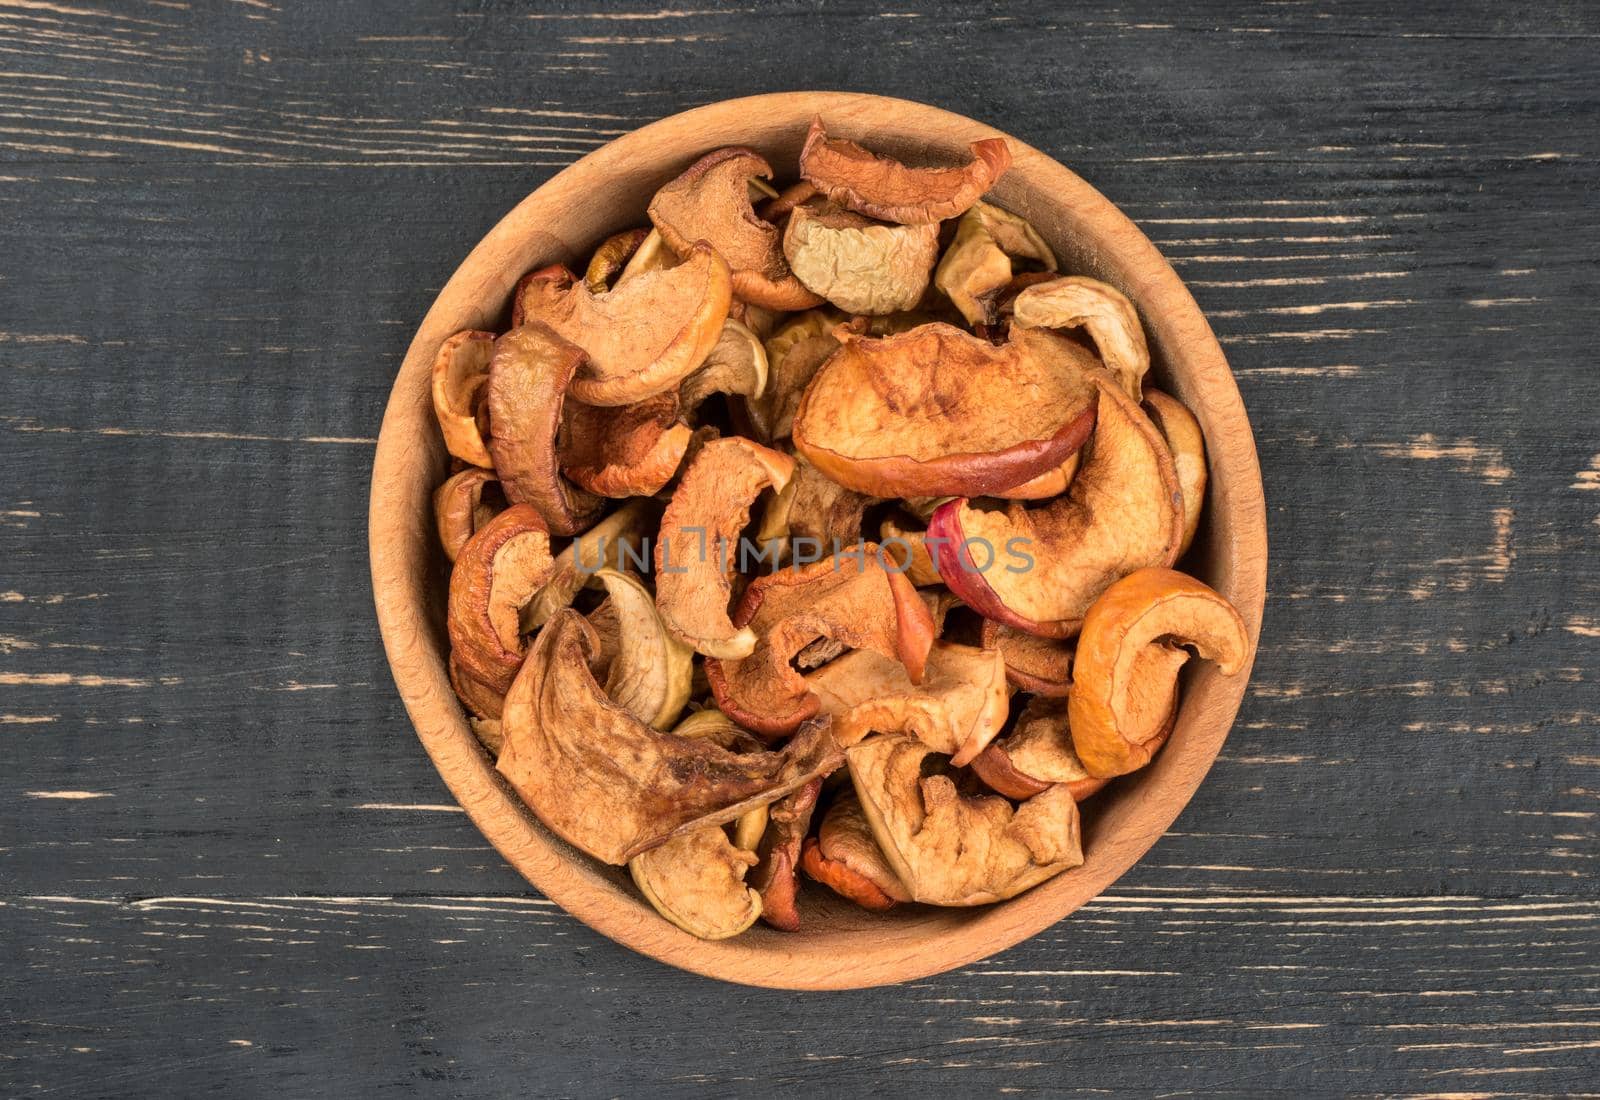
{"type": "Point", "coordinates": [842, 945]}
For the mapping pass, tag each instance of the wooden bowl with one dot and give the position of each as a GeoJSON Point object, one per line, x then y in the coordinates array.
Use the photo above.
{"type": "Point", "coordinates": [842, 946]}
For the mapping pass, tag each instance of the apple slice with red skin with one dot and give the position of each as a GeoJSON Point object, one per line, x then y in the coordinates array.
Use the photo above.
{"type": "Point", "coordinates": [1038, 752]}
{"type": "Point", "coordinates": [884, 188]}
{"type": "Point", "coordinates": [1122, 512]}
{"type": "Point", "coordinates": [1034, 664]}
{"type": "Point", "coordinates": [500, 569]}
{"type": "Point", "coordinates": [938, 412]}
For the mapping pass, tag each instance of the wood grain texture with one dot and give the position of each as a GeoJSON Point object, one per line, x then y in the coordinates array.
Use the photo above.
{"type": "Point", "coordinates": [220, 225]}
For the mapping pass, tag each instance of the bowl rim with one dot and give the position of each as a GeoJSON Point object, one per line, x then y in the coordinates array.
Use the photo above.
{"type": "Point", "coordinates": [400, 548]}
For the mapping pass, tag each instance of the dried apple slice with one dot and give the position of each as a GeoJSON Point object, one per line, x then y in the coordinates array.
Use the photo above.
{"type": "Point", "coordinates": [641, 338]}
{"type": "Point", "coordinates": [610, 785]}
{"type": "Point", "coordinates": [1122, 512]}
{"type": "Point", "coordinates": [1077, 301]}
{"type": "Point", "coordinates": [844, 857]}
{"type": "Point", "coordinates": [1042, 666]}
{"type": "Point", "coordinates": [860, 265]}
{"type": "Point", "coordinates": [616, 542]}
{"type": "Point", "coordinates": [711, 202]}
{"type": "Point", "coordinates": [820, 515]}
{"type": "Point", "coordinates": [611, 258]}
{"type": "Point", "coordinates": [631, 451]}
{"type": "Point", "coordinates": [884, 188]}
{"type": "Point", "coordinates": [957, 709]}
{"type": "Point", "coordinates": [497, 572]}
{"type": "Point", "coordinates": [938, 412]}
{"type": "Point", "coordinates": [1036, 755]}
{"type": "Point", "coordinates": [651, 673]}
{"type": "Point", "coordinates": [652, 255]}
{"type": "Point", "coordinates": [776, 875]}
{"type": "Point", "coordinates": [464, 503]}
{"type": "Point", "coordinates": [529, 376]}
{"type": "Point", "coordinates": [737, 364]}
{"type": "Point", "coordinates": [1051, 483]}
{"type": "Point", "coordinates": [950, 848]}
{"type": "Point", "coordinates": [907, 546]}
{"type": "Point", "coordinates": [699, 542]}
{"type": "Point", "coordinates": [794, 354]}
{"type": "Point", "coordinates": [479, 698]}
{"type": "Point", "coordinates": [460, 373]}
{"type": "Point", "coordinates": [849, 598]}
{"type": "Point", "coordinates": [1115, 702]}
{"type": "Point", "coordinates": [697, 882]}
{"type": "Point", "coordinates": [1188, 446]}
{"type": "Point", "coordinates": [977, 266]}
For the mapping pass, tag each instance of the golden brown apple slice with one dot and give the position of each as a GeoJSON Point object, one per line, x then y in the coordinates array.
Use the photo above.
{"type": "Point", "coordinates": [951, 848]}
{"type": "Point", "coordinates": [884, 188]}
{"type": "Point", "coordinates": [939, 412]}
{"type": "Point", "coordinates": [1039, 570]}
{"type": "Point", "coordinates": [958, 708]}
{"type": "Point", "coordinates": [631, 451]}
{"type": "Point", "coordinates": [711, 202]}
{"type": "Point", "coordinates": [814, 511]}
{"type": "Point", "coordinates": [846, 859]}
{"type": "Point", "coordinates": [1042, 666]}
{"type": "Point", "coordinates": [464, 503]}
{"type": "Point", "coordinates": [850, 599]}
{"type": "Point", "coordinates": [1036, 755]}
{"type": "Point", "coordinates": [1188, 445]}
{"type": "Point", "coordinates": [479, 698]}
{"type": "Point", "coordinates": [651, 674]}
{"type": "Point", "coordinates": [610, 785]}
{"type": "Point", "coordinates": [977, 266]}
{"type": "Point", "coordinates": [794, 354]}
{"type": "Point", "coordinates": [860, 265]}
{"type": "Point", "coordinates": [698, 546]}
{"type": "Point", "coordinates": [736, 365]}
{"type": "Point", "coordinates": [1077, 301]}
{"type": "Point", "coordinates": [697, 882]}
{"type": "Point", "coordinates": [497, 572]}
{"type": "Point", "coordinates": [776, 877]}
{"type": "Point", "coordinates": [532, 369]}
{"type": "Point", "coordinates": [611, 257]}
{"type": "Point", "coordinates": [460, 373]}
{"type": "Point", "coordinates": [1051, 483]}
{"type": "Point", "coordinates": [641, 338]}
{"type": "Point", "coordinates": [1115, 702]}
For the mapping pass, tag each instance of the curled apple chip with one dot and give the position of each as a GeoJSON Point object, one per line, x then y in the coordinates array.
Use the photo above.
{"type": "Point", "coordinates": [711, 202]}
{"type": "Point", "coordinates": [1036, 755]}
{"type": "Point", "coordinates": [698, 545]}
{"type": "Point", "coordinates": [614, 543]}
{"type": "Point", "coordinates": [794, 354]}
{"type": "Point", "coordinates": [850, 599]}
{"type": "Point", "coordinates": [938, 412]}
{"type": "Point", "coordinates": [1039, 665]}
{"type": "Point", "coordinates": [529, 376]}
{"type": "Point", "coordinates": [464, 503]}
{"type": "Point", "coordinates": [631, 451]}
{"type": "Point", "coordinates": [1122, 512]}
{"type": "Point", "coordinates": [776, 877]}
{"type": "Point", "coordinates": [498, 571]}
{"type": "Point", "coordinates": [1126, 669]}
{"type": "Point", "coordinates": [640, 338]}
{"type": "Point", "coordinates": [977, 267]}
{"type": "Point", "coordinates": [651, 673]}
{"type": "Point", "coordinates": [816, 512]}
{"type": "Point", "coordinates": [905, 543]}
{"type": "Point", "coordinates": [884, 188]}
{"type": "Point", "coordinates": [478, 697]}
{"type": "Point", "coordinates": [1188, 446]}
{"type": "Point", "coordinates": [460, 373]}
{"type": "Point", "coordinates": [651, 255]}
{"type": "Point", "coordinates": [611, 258]}
{"type": "Point", "coordinates": [696, 881]}
{"type": "Point", "coordinates": [1076, 301]}
{"type": "Point", "coordinates": [957, 709]}
{"type": "Point", "coordinates": [844, 857]}
{"type": "Point", "coordinates": [610, 785]}
{"type": "Point", "coordinates": [737, 364]}
{"type": "Point", "coordinates": [860, 265]}
{"type": "Point", "coordinates": [953, 848]}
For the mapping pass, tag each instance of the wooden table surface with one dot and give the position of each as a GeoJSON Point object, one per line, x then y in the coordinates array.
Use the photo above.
{"type": "Point", "coordinates": [227, 866]}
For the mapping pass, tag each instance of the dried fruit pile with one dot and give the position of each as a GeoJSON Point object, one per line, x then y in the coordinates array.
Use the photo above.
{"type": "Point", "coordinates": [952, 616]}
